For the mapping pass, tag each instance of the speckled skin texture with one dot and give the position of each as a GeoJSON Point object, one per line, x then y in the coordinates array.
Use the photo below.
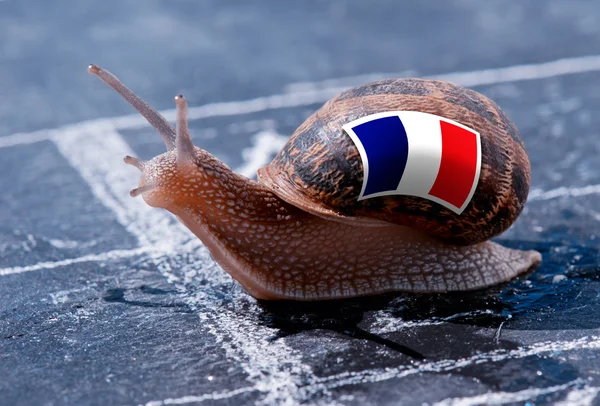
{"type": "Point", "coordinates": [277, 251]}
{"type": "Point", "coordinates": [320, 169]}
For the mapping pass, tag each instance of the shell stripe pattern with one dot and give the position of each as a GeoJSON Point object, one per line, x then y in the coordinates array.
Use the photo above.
{"type": "Point", "coordinates": [417, 154]}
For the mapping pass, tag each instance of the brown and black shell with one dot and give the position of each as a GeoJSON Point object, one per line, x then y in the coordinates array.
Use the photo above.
{"type": "Point", "coordinates": [320, 169]}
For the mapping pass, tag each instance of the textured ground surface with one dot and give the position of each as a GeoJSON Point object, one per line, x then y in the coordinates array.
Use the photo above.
{"type": "Point", "coordinates": [106, 301]}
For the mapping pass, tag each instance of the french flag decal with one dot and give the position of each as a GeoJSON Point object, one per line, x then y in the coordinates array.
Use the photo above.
{"type": "Point", "coordinates": [417, 154]}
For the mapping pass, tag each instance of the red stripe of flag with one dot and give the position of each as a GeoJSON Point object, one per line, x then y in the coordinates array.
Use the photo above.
{"type": "Point", "coordinates": [458, 167]}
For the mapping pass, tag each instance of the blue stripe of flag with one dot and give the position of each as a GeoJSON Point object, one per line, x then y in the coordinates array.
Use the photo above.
{"type": "Point", "coordinates": [386, 146]}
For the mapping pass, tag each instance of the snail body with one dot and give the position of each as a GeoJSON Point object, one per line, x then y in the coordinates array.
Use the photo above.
{"type": "Point", "coordinates": [301, 231]}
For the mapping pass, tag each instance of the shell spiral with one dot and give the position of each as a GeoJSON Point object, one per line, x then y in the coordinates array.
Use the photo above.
{"type": "Point", "coordinates": [320, 169]}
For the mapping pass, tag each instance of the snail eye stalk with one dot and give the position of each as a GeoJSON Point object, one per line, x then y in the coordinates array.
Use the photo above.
{"type": "Point", "coordinates": [156, 120]}
{"type": "Point", "coordinates": [140, 190]}
{"type": "Point", "coordinates": [183, 143]}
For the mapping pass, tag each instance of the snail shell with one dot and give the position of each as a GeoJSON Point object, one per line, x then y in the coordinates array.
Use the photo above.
{"type": "Point", "coordinates": [320, 169]}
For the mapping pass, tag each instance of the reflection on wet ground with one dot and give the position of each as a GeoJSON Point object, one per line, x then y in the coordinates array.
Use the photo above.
{"type": "Point", "coordinates": [559, 286]}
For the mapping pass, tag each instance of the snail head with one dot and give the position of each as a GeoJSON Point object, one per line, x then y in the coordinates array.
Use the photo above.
{"type": "Point", "coordinates": [170, 177]}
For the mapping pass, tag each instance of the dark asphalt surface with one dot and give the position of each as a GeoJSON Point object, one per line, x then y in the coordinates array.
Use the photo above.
{"type": "Point", "coordinates": [106, 301]}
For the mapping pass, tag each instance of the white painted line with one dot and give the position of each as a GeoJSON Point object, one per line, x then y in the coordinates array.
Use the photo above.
{"type": "Point", "coordinates": [386, 323]}
{"type": "Point", "coordinates": [233, 108]}
{"type": "Point", "coordinates": [201, 398]}
{"type": "Point", "coordinates": [517, 73]}
{"type": "Point", "coordinates": [105, 256]}
{"type": "Point", "coordinates": [307, 94]}
{"type": "Point", "coordinates": [492, 76]}
{"type": "Point", "coordinates": [266, 144]}
{"type": "Point", "coordinates": [502, 398]}
{"type": "Point", "coordinates": [27, 138]}
{"type": "Point", "coordinates": [580, 397]}
{"type": "Point", "coordinates": [62, 296]}
{"type": "Point", "coordinates": [97, 153]}
{"type": "Point", "coordinates": [448, 365]}
{"type": "Point", "coordinates": [538, 194]}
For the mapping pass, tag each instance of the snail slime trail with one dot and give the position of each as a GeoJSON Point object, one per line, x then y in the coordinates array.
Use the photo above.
{"type": "Point", "coordinates": [306, 231]}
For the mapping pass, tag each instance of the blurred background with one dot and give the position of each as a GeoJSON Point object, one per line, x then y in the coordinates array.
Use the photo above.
{"type": "Point", "coordinates": [92, 312]}
{"type": "Point", "coordinates": [214, 51]}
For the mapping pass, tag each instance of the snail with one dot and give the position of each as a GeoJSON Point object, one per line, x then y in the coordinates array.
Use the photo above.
{"type": "Point", "coordinates": [302, 231]}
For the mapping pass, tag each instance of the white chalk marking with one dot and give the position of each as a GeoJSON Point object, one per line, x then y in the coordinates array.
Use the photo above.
{"type": "Point", "coordinates": [62, 296]}
{"type": "Point", "coordinates": [560, 67]}
{"type": "Point", "coordinates": [502, 398]}
{"type": "Point", "coordinates": [448, 365]}
{"type": "Point", "coordinates": [275, 369]}
{"type": "Point", "coordinates": [233, 108]}
{"type": "Point", "coordinates": [69, 244]}
{"type": "Point", "coordinates": [201, 398]}
{"type": "Point", "coordinates": [97, 153]}
{"type": "Point", "coordinates": [103, 257]}
{"type": "Point", "coordinates": [27, 138]}
{"type": "Point", "coordinates": [386, 323]}
{"type": "Point", "coordinates": [492, 76]}
{"type": "Point", "coordinates": [310, 94]}
{"type": "Point", "coordinates": [266, 144]}
{"type": "Point", "coordinates": [580, 397]}
{"type": "Point", "coordinates": [538, 194]}
{"type": "Point", "coordinates": [518, 73]}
